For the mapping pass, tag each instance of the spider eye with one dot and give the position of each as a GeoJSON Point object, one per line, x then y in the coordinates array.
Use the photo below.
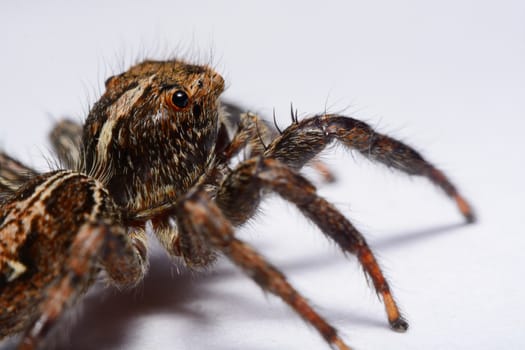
{"type": "Point", "coordinates": [180, 99]}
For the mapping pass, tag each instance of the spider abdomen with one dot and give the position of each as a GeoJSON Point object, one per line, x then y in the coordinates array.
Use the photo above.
{"type": "Point", "coordinates": [37, 227]}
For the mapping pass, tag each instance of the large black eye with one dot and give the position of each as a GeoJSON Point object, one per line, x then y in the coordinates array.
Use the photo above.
{"type": "Point", "coordinates": [180, 99]}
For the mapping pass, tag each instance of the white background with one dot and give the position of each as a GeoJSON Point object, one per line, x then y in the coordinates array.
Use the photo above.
{"type": "Point", "coordinates": [447, 77]}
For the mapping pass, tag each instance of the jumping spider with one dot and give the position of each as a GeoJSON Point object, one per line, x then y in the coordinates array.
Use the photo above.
{"type": "Point", "coordinates": [157, 148]}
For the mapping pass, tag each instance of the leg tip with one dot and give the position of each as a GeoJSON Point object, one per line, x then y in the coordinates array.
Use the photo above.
{"type": "Point", "coordinates": [339, 344]}
{"type": "Point", "coordinates": [399, 325]}
{"type": "Point", "coordinates": [465, 209]}
{"type": "Point", "coordinates": [470, 218]}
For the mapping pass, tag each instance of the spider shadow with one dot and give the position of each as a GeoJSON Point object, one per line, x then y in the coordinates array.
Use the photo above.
{"type": "Point", "coordinates": [393, 241]}
{"type": "Point", "coordinates": [165, 292]}
{"type": "Point", "coordinates": [405, 238]}
{"type": "Point", "coordinates": [108, 316]}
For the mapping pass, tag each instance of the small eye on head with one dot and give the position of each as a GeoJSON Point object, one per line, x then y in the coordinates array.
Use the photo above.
{"type": "Point", "coordinates": [180, 99]}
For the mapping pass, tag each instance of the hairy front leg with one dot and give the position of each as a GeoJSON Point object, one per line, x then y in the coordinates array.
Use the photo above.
{"type": "Point", "coordinates": [304, 139]}
{"type": "Point", "coordinates": [252, 135]}
{"type": "Point", "coordinates": [240, 195]}
{"type": "Point", "coordinates": [199, 216]}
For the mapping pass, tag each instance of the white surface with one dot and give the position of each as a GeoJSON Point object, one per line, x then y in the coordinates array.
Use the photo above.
{"type": "Point", "coordinates": [448, 77]}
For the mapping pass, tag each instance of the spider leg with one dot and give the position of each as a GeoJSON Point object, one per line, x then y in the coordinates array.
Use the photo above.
{"type": "Point", "coordinates": [194, 249]}
{"type": "Point", "coordinates": [255, 134]}
{"type": "Point", "coordinates": [93, 245]}
{"type": "Point", "coordinates": [198, 215]}
{"type": "Point", "coordinates": [66, 139]}
{"type": "Point", "coordinates": [124, 257]}
{"type": "Point", "coordinates": [250, 133]}
{"type": "Point", "coordinates": [240, 194]}
{"type": "Point", "coordinates": [322, 169]}
{"type": "Point", "coordinates": [304, 139]}
{"type": "Point", "coordinates": [12, 174]}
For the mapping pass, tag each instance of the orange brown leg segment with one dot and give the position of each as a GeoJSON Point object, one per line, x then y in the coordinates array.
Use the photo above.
{"type": "Point", "coordinates": [365, 256]}
{"type": "Point", "coordinates": [246, 182]}
{"type": "Point", "coordinates": [464, 207]}
{"type": "Point", "coordinates": [393, 153]}
{"type": "Point", "coordinates": [198, 215]}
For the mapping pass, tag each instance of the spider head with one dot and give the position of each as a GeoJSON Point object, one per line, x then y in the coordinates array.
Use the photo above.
{"type": "Point", "coordinates": [161, 91]}
{"type": "Point", "coordinates": [157, 123]}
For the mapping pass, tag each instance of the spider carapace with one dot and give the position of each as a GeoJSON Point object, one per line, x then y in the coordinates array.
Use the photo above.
{"type": "Point", "coordinates": [158, 148]}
